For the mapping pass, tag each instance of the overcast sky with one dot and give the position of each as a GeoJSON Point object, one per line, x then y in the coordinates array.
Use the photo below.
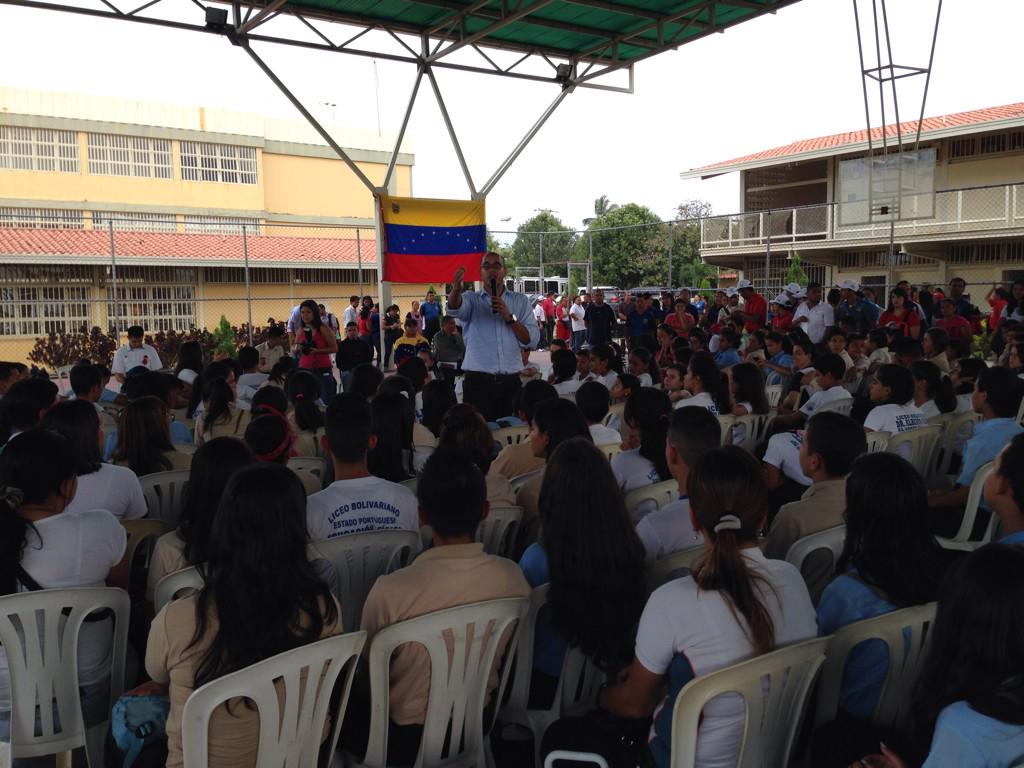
{"type": "Point", "coordinates": [761, 84]}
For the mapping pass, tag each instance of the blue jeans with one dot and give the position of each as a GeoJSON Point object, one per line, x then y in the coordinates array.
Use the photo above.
{"type": "Point", "coordinates": [577, 340]}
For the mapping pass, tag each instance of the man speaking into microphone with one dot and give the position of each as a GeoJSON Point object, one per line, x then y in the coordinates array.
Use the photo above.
{"type": "Point", "coordinates": [496, 325]}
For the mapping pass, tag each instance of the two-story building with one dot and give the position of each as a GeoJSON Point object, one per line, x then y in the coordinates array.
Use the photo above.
{"type": "Point", "coordinates": [960, 211]}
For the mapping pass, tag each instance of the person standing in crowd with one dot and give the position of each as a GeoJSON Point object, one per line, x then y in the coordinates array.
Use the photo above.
{"type": "Point", "coordinates": [640, 320]}
{"type": "Point", "coordinates": [854, 308]}
{"type": "Point", "coordinates": [901, 316]}
{"type": "Point", "coordinates": [548, 304]}
{"type": "Point", "coordinates": [134, 354]}
{"type": "Point", "coordinates": [497, 324]}
{"type": "Point", "coordinates": [392, 321]}
{"type": "Point", "coordinates": [577, 323]}
{"type": "Point", "coordinates": [956, 326]}
{"type": "Point", "coordinates": [315, 344]}
{"type": "Point", "coordinates": [681, 319]}
{"type": "Point", "coordinates": [351, 352]}
{"type": "Point", "coordinates": [961, 300]}
{"type": "Point", "coordinates": [814, 315]}
{"type": "Point", "coordinates": [538, 315]}
{"type": "Point", "coordinates": [330, 321]}
{"type": "Point", "coordinates": [430, 315]}
{"type": "Point", "coordinates": [351, 313]}
{"type": "Point", "coordinates": [755, 307]}
{"type": "Point", "coordinates": [449, 348]}
{"type": "Point", "coordinates": [563, 323]}
{"type": "Point", "coordinates": [271, 351]}
{"type": "Point", "coordinates": [600, 320]}
{"type": "Point", "coordinates": [1014, 309]}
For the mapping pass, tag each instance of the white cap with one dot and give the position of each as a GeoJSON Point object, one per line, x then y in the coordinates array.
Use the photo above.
{"type": "Point", "coordinates": [730, 292]}
{"type": "Point", "coordinates": [782, 300]}
{"type": "Point", "coordinates": [792, 289]}
{"type": "Point", "coordinates": [744, 283]}
{"type": "Point", "coordinates": [850, 285]}
{"type": "Point", "coordinates": [800, 294]}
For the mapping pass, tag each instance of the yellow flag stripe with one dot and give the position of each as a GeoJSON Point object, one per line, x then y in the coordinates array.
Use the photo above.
{"type": "Point", "coordinates": [422, 212]}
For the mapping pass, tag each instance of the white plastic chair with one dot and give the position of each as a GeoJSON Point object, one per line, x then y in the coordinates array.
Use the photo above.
{"type": "Point", "coordinates": [314, 465]}
{"type": "Point", "coordinates": [906, 633]}
{"type": "Point", "coordinates": [359, 559]}
{"type": "Point", "coordinates": [923, 443]}
{"type": "Point", "coordinates": [39, 632]}
{"type": "Point", "coordinates": [610, 449]}
{"type": "Point", "coordinates": [577, 688]}
{"type": "Point", "coordinates": [137, 533]}
{"type": "Point", "coordinates": [726, 422]}
{"type": "Point", "coordinates": [775, 688]}
{"type": "Point", "coordinates": [660, 571]}
{"type": "Point", "coordinates": [831, 539]}
{"type": "Point", "coordinates": [757, 427]}
{"type": "Point", "coordinates": [292, 693]}
{"type": "Point", "coordinates": [498, 532]}
{"type": "Point", "coordinates": [170, 585]}
{"type": "Point", "coordinates": [519, 481]}
{"type": "Point", "coordinates": [1020, 414]}
{"type": "Point", "coordinates": [165, 494]}
{"type": "Point", "coordinates": [843, 406]}
{"type": "Point", "coordinates": [410, 484]}
{"type": "Point", "coordinates": [774, 393]}
{"type": "Point", "coordinates": [462, 644]}
{"type": "Point", "coordinates": [952, 427]}
{"type": "Point", "coordinates": [651, 497]}
{"type": "Point", "coordinates": [877, 441]}
{"type": "Point", "coordinates": [510, 435]}
{"type": "Point", "coordinates": [962, 538]}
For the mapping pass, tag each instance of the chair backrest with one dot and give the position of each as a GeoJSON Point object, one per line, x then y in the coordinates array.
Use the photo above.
{"type": "Point", "coordinates": [774, 392]}
{"type": "Point", "coordinates": [498, 532]}
{"type": "Point", "coordinates": [660, 494]}
{"type": "Point", "coordinates": [906, 633]}
{"type": "Point", "coordinates": [463, 645]}
{"type": "Point", "coordinates": [610, 449]}
{"type": "Point", "coordinates": [923, 443]}
{"type": "Point", "coordinates": [410, 484]}
{"type": "Point", "coordinates": [953, 426]}
{"type": "Point", "coordinates": [1020, 414]}
{"type": "Point", "coordinates": [359, 559]}
{"type": "Point", "coordinates": [510, 435]}
{"type": "Point", "coordinates": [138, 532]}
{"type": "Point", "coordinates": [519, 481]}
{"type": "Point", "coordinates": [974, 498]}
{"type": "Point", "coordinates": [292, 693]}
{"type": "Point", "coordinates": [757, 426]}
{"type": "Point", "coordinates": [39, 632]}
{"type": "Point", "coordinates": [831, 540]}
{"type": "Point", "coordinates": [615, 410]}
{"type": "Point", "coordinates": [774, 687]}
{"type": "Point", "coordinates": [165, 494]}
{"type": "Point", "coordinates": [315, 465]}
{"type": "Point", "coordinates": [877, 441]}
{"type": "Point", "coordinates": [726, 421]}
{"type": "Point", "coordinates": [169, 586]}
{"type": "Point", "coordinates": [843, 406]}
{"type": "Point", "coordinates": [661, 570]}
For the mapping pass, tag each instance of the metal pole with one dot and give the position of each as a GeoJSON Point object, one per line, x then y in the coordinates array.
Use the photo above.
{"type": "Point", "coordinates": [542, 263]}
{"type": "Point", "coordinates": [380, 273]}
{"type": "Point", "coordinates": [359, 263]}
{"type": "Point", "coordinates": [113, 279]}
{"type": "Point", "coordinates": [892, 252]}
{"type": "Point", "coordinates": [669, 257]}
{"type": "Point", "coordinates": [451, 134]}
{"type": "Point", "coordinates": [590, 267]}
{"type": "Point", "coordinates": [768, 256]}
{"type": "Point", "coordinates": [248, 286]}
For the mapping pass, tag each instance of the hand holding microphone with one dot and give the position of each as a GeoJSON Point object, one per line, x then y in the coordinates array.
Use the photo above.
{"type": "Point", "coordinates": [494, 295]}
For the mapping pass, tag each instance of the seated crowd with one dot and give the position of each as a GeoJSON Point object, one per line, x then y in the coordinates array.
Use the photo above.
{"type": "Point", "coordinates": [759, 430]}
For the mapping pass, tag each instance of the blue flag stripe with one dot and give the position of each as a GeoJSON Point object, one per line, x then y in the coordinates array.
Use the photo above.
{"type": "Point", "coordinates": [435, 241]}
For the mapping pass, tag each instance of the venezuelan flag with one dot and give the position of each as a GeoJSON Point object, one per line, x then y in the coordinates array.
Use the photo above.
{"type": "Point", "coordinates": [428, 240]}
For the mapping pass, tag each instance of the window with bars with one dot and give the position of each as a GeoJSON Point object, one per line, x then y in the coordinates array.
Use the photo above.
{"type": "Point", "coordinates": [113, 155]}
{"type": "Point", "coordinates": [41, 218]}
{"type": "Point", "coordinates": [42, 310]}
{"type": "Point", "coordinates": [12, 274]}
{"type": "Point", "coordinates": [753, 270]}
{"type": "Point", "coordinates": [221, 225]}
{"type": "Point", "coordinates": [202, 161]}
{"type": "Point", "coordinates": [132, 274]}
{"type": "Point", "coordinates": [38, 149]}
{"type": "Point", "coordinates": [986, 252]}
{"type": "Point", "coordinates": [333, 275]}
{"type": "Point", "coordinates": [154, 307]}
{"type": "Point", "coordinates": [135, 222]}
{"type": "Point", "coordinates": [959, 148]}
{"type": "Point", "coordinates": [237, 275]}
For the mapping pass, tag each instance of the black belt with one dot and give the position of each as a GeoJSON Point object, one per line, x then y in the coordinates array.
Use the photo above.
{"type": "Point", "coordinates": [494, 376]}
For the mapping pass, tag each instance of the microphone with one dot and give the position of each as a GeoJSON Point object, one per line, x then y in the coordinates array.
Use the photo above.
{"type": "Point", "coordinates": [494, 293]}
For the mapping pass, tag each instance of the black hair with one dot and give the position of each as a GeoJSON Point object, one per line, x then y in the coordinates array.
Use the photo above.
{"type": "Point", "coordinates": [630, 382]}
{"type": "Point", "coordinates": [878, 337]}
{"type": "Point", "coordinates": [269, 400]}
{"type": "Point", "coordinates": [648, 410]}
{"type": "Point", "coordinates": [248, 357]}
{"type": "Point", "coordinates": [212, 466]}
{"type": "Point", "coordinates": [780, 339]}
{"type": "Point", "coordinates": [560, 420]}
{"type": "Point", "coordinates": [310, 304]}
{"type": "Point", "coordinates": [835, 330]}
{"type": "Point", "coordinates": [533, 394]}
{"type": "Point", "coordinates": [750, 387]}
{"type": "Point", "coordinates": [897, 291]}
{"type": "Point", "coordinates": [1011, 466]}
{"type": "Point", "coordinates": [712, 380]}
{"type": "Point", "coordinates": [149, 384]}
{"type": "Point", "coordinates": [280, 370]}
{"type": "Point", "coordinates": [218, 396]}
{"type": "Point", "coordinates": [366, 379]}
{"type": "Point", "coordinates": [438, 398]}
{"type": "Point", "coordinates": [144, 436]}
{"type": "Point", "coordinates": [7, 370]}
{"type": "Point", "coordinates": [215, 370]}
{"type": "Point", "coordinates": [269, 438]}
{"type": "Point", "coordinates": [593, 398]}
{"type": "Point", "coordinates": [899, 381]}
{"type": "Point", "coordinates": [699, 335]}
{"type": "Point", "coordinates": [32, 468]}
{"type": "Point", "coordinates": [833, 296]}
{"type": "Point", "coordinates": [258, 581]}
{"type": "Point", "coordinates": [391, 417]}
{"type": "Point", "coordinates": [604, 352]}
{"type": "Point", "coordinates": [940, 339]}
{"type": "Point", "coordinates": [190, 357]}
{"type": "Point", "coordinates": [970, 369]}
{"type": "Point", "coordinates": [647, 358]}
{"type": "Point", "coordinates": [888, 539]}
{"type": "Point", "coordinates": [303, 390]}
{"type": "Point", "coordinates": [563, 364]}
{"type": "Point", "coordinates": [274, 331]}
{"type": "Point", "coordinates": [83, 378]}
{"type": "Point", "coordinates": [694, 431]}
{"type": "Point", "coordinates": [907, 349]}
{"type": "Point", "coordinates": [452, 493]}
{"type": "Point", "coordinates": [838, 439]}
{"type": "Point", "coordinates": [415, 370]}
{"type": "Point", "coordinates": [347, 427]}
{"type": "Point", "coordinates": [940, 388]}
{"type": "Point", "coordinates": [25, 399]}
{"type": "Point", "coordinates": [136, 332]}
{"type": "Point", "coordinates": [1003, 390]}
{"type": "Point", "coordinates": [595, 558]}
{"type": "Point", "coordinates": [79, 424]}
{"type": "Point", "coordinates": [464, 428]}
{"type": "Point", "coordinates": [830, 364]}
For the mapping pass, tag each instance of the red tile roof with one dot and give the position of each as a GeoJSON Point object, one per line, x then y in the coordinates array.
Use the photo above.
{"type": "Point", "coordinates": [972, 118]}
{"type": "Point", "coordinates": [186, 249]}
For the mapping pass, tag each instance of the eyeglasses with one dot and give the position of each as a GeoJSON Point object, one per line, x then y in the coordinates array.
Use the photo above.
{"type": "Point", "coordinates": [491, 265]}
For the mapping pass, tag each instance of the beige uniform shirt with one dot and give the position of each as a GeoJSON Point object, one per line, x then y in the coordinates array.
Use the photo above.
{"type": "Point", "coordinates": [515, 460]}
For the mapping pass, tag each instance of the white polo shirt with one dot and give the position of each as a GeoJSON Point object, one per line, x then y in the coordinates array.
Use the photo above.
{"type": "Point", "coordinates": [668, 530]}
{"type": "Point", "coordinates": [819, 318]}
{"type": "Point", "coordinates": [361, 504]}
{"type": "Point", "coordinates": [783, 453]}
{"type": "Point", "coordinates": [127, 358]}
{"type": "Point", "coordinates": [818, 399]}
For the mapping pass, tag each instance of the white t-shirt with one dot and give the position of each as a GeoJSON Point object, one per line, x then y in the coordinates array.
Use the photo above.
{"type": "Point", "coordinates": [895, 418]}
{"type": "Point", "coordinates": [127, 358]}
{"type": "Point", "coordinates": [252, 380]}
{"type": "Point", "coordinates": [668, 530]}
{"type": "Point", "coordinates": [645, 380]}
{"type": "Point", "coordinates": [538, 314]}
{"type": "Point", "coordinates": [702, 400]}
{"type": "Point", "coordinates": [930, 409]}
{"type": "Point", "coordinates": [576, 314]}
{"type": "Point", "coordinates": [818, 399]}
{"type": "Point", "coordinates": [350, 315]}
{"type": "Point", "coordinates": [74, 549]}
{"type": "Point", "coordinates": [783, 453]}
{"type": "Point", "coordinates": [608, 379]}
{"type": "Point", "coordinates": [603, 435]}
{"type": "Point", "coordinates": [633, 470]}
{"type": "Point", "coordinates": [819, 318]}
{"type": "Point", "coordinates": [682, 620]}
{"type": "Point", "coordinates": [361, 504]}
{"type": "Point", "coordinates": [567, 388]}
{"type": "Point", "coordinates": [113, 488]}
{"type": "Point", "coordinates": [880, 356]}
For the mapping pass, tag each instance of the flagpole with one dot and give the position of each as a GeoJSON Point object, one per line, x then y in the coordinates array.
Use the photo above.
{"type": "Point", "coordinates": [380, 273]}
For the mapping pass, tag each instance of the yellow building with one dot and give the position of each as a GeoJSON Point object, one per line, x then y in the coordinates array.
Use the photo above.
{"type": "Point", "coordinates": [184, 198]}
{"type": "Point", "coordinates": [966, 219]}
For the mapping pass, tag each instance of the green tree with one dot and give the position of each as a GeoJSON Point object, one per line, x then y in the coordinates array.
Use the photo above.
{"type": "Point", "coordinates": [795, 273]}
{"type": "Point", "coordinates": [601, 206]}
{"type": "Point", "coordinates": [688, 268]}
{"type": "Point", "coordinates": [630, 247]}
{"type": "Point", "coordinates": [558, 244]}
{"type": "Point", "coordinates": [224, 338]}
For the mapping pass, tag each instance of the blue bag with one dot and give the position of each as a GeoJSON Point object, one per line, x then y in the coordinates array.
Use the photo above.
{"type": "Point", "coordinates": [137, 721]}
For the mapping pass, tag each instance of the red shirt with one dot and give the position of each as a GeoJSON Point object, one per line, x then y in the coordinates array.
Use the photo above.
{"type": "Point", "coordinates": [998, 305]}
{"type": "Point", "coordinates": [909, 319]}
{"type": "Point", "coordinates": [679, 326]}
{"type": "Point", "coordinates": [782, 320]}
{"type": "Point", "coordinates": [958, 327]}
{"type": "Point", "coordinates": [562, 330]}
{"type": "Point", "coordinates": [757, 306]}
{"type": "Point", "coordinates": [549, 308]}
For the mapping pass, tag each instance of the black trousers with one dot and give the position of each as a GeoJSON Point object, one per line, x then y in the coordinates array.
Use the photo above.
{"type": "Point", "coordinates": [494, 395]}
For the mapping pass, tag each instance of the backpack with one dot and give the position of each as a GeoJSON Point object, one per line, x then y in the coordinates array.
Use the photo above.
{"type": "Point", "coordinates": [135, 723]}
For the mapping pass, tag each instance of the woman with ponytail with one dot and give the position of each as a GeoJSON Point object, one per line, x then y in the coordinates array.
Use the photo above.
{"type": "Point", "coordinates": [933, 392]}
{"type": "Point", "coordinates": [46, 545]}
{"type": "Point", "coordinates": [271, 440]}
{"type": "Point", "coordinates": [734, 605]}
{"type": "Point", "coordinates": [221, 417]}
{"type": "Point", "coordinates": [707, 386]}
{"type": "Point", "coordinates": [647, 413]}
{"type": "Point", "coordinates": [304, 412]}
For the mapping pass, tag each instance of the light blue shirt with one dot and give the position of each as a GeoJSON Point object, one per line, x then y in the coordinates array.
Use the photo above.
{"type": "Point", "coordinates": [727, 358]}
{"type": "Point", "coordinates": [967, 739]}
{"type": "Point", "coordinates": [548, 647]}
{"type": "Point", "coordinates": [491, 344]}
{"type": "Point", "coordinates": [990, 437]}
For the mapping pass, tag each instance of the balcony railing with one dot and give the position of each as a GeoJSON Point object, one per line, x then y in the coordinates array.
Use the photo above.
{"type": "Point", "coordinates": [976, 209]}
